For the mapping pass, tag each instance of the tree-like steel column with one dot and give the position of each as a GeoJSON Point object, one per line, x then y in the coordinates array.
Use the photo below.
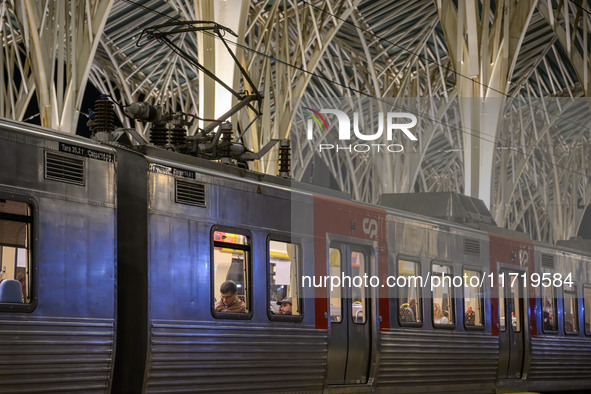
{"type": "Point", "coordinates": [61, 39]}
{"type": "Point", "coordinates": [484, 45]}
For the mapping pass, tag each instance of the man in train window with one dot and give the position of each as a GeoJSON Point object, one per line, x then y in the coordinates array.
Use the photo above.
{"type": "Point", "coordinates": [285, 306]}
{"type": "Point", "coordinates": [229, 301]}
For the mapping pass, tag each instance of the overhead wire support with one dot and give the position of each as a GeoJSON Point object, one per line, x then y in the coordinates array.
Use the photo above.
{"type": "Point", "coordinates": [155, 32]}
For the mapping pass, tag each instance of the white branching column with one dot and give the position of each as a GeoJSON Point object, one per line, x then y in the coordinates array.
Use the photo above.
{"type": "Point", "coordinates": [214, 99]}
{"type": "Point", "coordinates": [484, 44]}
{"type": "Point", "coordinates": [298, 35]}
{"type": "Point", "coordinates": [17, 85]}
{"type": "Point", "coordinates": [60, 38]}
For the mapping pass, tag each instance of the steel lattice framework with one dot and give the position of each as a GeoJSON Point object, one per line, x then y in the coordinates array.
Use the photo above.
{"type": "Point", "coordinates": [503, 86]}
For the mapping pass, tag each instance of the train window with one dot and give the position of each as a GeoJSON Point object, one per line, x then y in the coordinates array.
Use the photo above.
{"type": "Point", "coordinates": [358, 305]}
{"type": "Point", "coordinates": [231, 273]}
{"type": "Point", "coordinates": [587, 308]}
{"type": "Point", "coordinates": [334, 265]}
{"type": "Point", "coordinates": [15, 252]}
{"type": "Point", "coordinates": [443, 306]}
{"type": "Point", "coordinates": [473, 300]}
{"type": "Point", "coordinates": [571, 315]}
{"type": "Point", "coordinates": [514, 303]}
{"type": "Point", "coordinates": [549, 322]}
{"type": "Point", "coordinates": [502, 325]}
{"type": "Point", "coordinates": [409, 296]}
{"type": "Point", "coordinates": [284, 290]}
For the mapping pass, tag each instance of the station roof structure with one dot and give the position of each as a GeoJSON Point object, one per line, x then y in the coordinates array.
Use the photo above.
{"type": "Point", "coordinates": [499, 87]}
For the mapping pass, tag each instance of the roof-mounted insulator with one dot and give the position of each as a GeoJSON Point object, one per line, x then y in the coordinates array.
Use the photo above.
{"type": "Point", "coordinates": [284, 158]}
{"type": "Point", "coordinates": [104, 118]}
{"type": "Point", "coordinates": [178, 134]}
{"type": "Point", "coordinates": [159, 134]}
{"type": "Point", "coordinates": [226, 144]}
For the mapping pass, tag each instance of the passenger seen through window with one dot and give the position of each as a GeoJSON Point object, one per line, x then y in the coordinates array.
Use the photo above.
{"type": "Point", "coordinates": [443, 308]}
{"type": "Point", "coordinates": [284, 289]}
{"type": "Point", "coordinates": [231, 264]}
{"type": "Point", "coordinates": [229, 301]}
{"type": "Point", "coordinates": [15, 239]}
{"type": "Point", "coordinates": [409, 296]}
{"type": "Point", "coordinates": [549, 322]}
{"type": "Point", "coordinates": [473, 300]}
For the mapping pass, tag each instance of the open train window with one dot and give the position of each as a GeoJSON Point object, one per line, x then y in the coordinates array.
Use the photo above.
{"type": "Point", "coordinates": [571, 309]}
{"type": "Point", "coordinates": [230, 273]}
{"type": "Point", "coordinates": [15, 251]}
{"type": "Point", "coordinates": [284, 285]}
{"type": "Point", "coordinates": [443, 299]}
{"type": "Point", "coordinates": [549, 321]}
{"type": "Point", "coordinates": [409, 296]}
{"type": "Point", "coordinates": [473, 300]}
{"type": "Point", "coordinates": [587, 308]}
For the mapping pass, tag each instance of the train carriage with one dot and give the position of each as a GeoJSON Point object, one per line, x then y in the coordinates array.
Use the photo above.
{"type": "Point", "coordinates": [200, 224]}
{"type": "Point", "coordinates": [560, 347]}
{"type": "Point", "coordinates": [57, 240]}
{"type": "Point", "coordinates": [118, 253]}
{"type": "Point", "coordinates": [454, 353]}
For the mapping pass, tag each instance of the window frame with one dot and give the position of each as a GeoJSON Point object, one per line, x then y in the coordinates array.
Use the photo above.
{"type": "Point", "coordinates": [501, 295]}
{"type": "Point", "coordinates": [366, 258]}
{"type": "Point", "coordinates": [336, 246]}
{"type": "Point", "coordinates": [33, 267]}
{"type": "Point", "coordinates": [554, 309]}
{"type": "Point", "coordinates": [515, 307]}
{"type": "Point", "coordinates": [483, 326]}
{"type": "Point", "coordinates": [417, 261]}
{"type": "Point", "coordinates": [298, 244]}
{"type": "Point", "coordinates": [587, 333]}
{"type": "Point", "coordinates": [571, 333]}
{"type": "Point", "coordinates": [451, 326]}
{"type": "Point", "coordinates": [231, 315]}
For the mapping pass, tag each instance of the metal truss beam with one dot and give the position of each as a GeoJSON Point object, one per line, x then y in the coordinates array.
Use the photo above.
{"type": "Point", "coordinates": [570, 21]}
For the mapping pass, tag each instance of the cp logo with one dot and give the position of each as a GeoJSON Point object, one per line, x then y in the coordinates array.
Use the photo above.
{"type": "Point", "coordinates": [370, 227]}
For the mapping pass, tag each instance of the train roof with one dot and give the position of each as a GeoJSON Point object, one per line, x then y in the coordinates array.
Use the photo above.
{"type": "Point", "coordinates": [160, 155]}
{"type": "Point", "coordinates": [45, 133]}
{"type": "Point", "coordinates": [440, 208]}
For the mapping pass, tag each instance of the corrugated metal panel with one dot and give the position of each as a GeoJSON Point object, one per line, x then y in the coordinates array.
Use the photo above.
{"type": "Point", "coordinates": [54, 355]}
{"type": "Point", "coordinates": [64, 168]}
{"type": "Point", "coordinates": [547, 260]}
{"type": "Point", "coordinates": [560, 358]}
{"type": "Point", "coordinates": [412, 358]}
{"type": "Point", "coordinates": [472, 246]}
{"type": "Point", "coordinates": [190, 193]}
{"type": "Point", "coordinates": [207, 358]}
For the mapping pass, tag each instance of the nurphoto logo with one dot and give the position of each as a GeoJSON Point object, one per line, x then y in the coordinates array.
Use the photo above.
{"type": "Point", "coordinates": [395, 122]}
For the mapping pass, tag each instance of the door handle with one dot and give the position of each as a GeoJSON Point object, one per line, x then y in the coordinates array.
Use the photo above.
{"type": "Point", "coordinates": [326, 315]}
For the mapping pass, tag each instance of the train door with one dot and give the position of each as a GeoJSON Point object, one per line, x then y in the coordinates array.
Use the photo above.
{"type": "Point", "coordinates": [511, 324]}
{"type": "Point", "coordinates": [349, 341]}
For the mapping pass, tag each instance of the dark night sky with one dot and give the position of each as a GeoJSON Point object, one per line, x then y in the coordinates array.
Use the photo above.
{"type": "Point", "coordinates": [90, 95]}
